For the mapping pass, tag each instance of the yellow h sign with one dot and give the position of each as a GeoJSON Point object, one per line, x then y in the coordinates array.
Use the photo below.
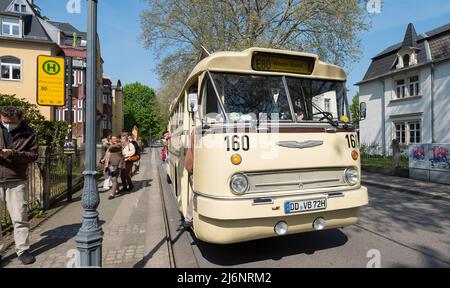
{"type": "Point", "coordinates": [51, 81]}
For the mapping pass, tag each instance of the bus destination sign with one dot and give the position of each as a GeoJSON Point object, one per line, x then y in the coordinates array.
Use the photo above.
{"type": "Point", "coordinates": [283, 63]}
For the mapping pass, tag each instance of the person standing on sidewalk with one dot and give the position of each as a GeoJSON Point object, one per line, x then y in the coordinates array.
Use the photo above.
{"type": "Point", "coordinates": [189, 166]}
{"type": "Point", "coordinates": [128, 151]}
{"type": "Point", "coordinates": [137, 148]}
{"type": "Point", "coordinates": [165, 141]}
{"type": "Point", "coordinates": [18, 148]}
{"type": "Point", "coordinates": [113, 162]}
{"type": "Point", "coordinates": [106, 143]}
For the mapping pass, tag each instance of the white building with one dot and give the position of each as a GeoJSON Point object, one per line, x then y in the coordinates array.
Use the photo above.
{"type": "Point", "coordinates": [326, 102]}
{"type": "Point", "coordinates": [407, 91]}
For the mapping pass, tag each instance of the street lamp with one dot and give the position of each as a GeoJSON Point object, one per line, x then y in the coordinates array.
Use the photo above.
{"type": "Point", "coordinates": [89, 238]}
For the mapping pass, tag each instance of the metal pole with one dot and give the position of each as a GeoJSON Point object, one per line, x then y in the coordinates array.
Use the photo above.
{"type": "Point", "coordinates": [89, 238]}
{"type": "Point", "coordinates": [70, 124]}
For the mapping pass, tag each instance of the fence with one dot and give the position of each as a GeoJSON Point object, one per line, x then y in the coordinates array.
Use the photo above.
{"type": "Point", "coordinates": [383, 161]}
{"type": "Point", "coordinates": [47, 182]}
{"type": "Point", "coordinates": [371, 156]}
{"type": "Point", "coordinates": [57, 177]}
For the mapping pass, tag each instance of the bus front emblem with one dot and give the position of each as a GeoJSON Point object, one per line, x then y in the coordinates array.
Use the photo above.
{"type": "Point", "coordinates": [300, 145]}
{"type": "Point", "coordinates": [300, 184]}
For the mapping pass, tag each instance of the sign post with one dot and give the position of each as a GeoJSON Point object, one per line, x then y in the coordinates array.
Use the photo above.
{"type": "Point", "coordinates": [90, 236]}
{"type": "Point", "coordinates": [70, 128]}
{"type": "Point", "coordinates": [51, 81]}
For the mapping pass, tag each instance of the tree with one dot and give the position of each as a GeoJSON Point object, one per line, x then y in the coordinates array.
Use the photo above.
{"type": "Point", "coordinates": [178, 28]}
{"type": "Point", "coordinates": [49, 133]}
{"type": "Point", "coordinates": [354, 108]}
{"type": "Point", "coordinates": [142, 109]}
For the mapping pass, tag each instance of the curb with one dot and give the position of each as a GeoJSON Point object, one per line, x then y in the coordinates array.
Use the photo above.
{"type": "Point", "coordinates": [397, 188]}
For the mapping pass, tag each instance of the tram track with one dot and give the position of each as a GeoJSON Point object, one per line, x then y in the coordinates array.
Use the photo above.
{"type": "Point", "coordinates": [178, 240]}
{"type": "Point", "coordinates": [164, 211]}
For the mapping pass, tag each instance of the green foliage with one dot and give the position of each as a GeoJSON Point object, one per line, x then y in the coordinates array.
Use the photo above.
{"type": "Point", "coordinates": [177, 29]}
{"type": "Point", "coordinates": [49, 133]}
{"type": "Point", "coordinates": [354, 108]}
{"type": "Point", "coordinates": [383, 161]}
{"type": "Point", "coordinates": [36, 210]}
{"type": "Point", "coordinates": [142, 109]}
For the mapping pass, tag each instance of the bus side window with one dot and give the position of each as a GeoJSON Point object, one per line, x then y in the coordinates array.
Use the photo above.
{"type": "Point", "coordinates": [193, 88]}
{"type": "Point", "coordinates": [211, 100]}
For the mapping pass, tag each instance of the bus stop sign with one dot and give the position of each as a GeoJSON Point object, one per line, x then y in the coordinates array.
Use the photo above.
{"type": "Point", "coordinates": [51, 81]}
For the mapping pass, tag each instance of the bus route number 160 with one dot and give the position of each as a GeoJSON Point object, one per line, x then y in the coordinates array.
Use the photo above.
{"type": "Point", "coordinates": [237, 143]}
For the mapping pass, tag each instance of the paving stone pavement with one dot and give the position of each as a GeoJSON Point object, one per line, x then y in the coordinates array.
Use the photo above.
{"type": "Point", "coordinates": [133, 226]}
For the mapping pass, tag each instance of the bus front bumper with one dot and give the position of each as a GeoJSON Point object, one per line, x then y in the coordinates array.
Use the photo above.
{"type": "Point", "coordinates": [226, 221]}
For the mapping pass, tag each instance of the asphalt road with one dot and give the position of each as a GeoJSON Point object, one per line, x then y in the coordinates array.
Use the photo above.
{"type": "Point", "coordinates": [395, 230]}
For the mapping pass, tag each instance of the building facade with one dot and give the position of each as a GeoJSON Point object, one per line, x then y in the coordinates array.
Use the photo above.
{"type": "Point", "coordinates": [117, 106]}
{"type": "Point", "coordinates": [24, 35]}
{"type": "Point", "coordinates": [407, 92]}
{"type": "Point", "coordinates": [22, 40]}
{"type": "Point", "coordinates": [107, 107]}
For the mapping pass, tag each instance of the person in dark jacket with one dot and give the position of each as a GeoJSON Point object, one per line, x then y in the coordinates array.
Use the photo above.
{"type": "Point", "coordinates": [18, 148]}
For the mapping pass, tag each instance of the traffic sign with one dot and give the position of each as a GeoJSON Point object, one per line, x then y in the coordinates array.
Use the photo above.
{"type": "Point", "coordinates": [51, 81]}
{"type": "Point", "coordinates": [70, 146]}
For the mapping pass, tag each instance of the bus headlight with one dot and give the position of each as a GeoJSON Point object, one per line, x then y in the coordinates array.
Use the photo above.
{"type": "Point", "coordinates": [239, 184]}
{"type": "Point", "coordinates": [351, 176]}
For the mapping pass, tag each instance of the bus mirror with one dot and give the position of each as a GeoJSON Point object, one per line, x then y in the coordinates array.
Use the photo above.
{"type": "Point", "coordinates": [362, 111]}
{"type": "Point", "coordinates": [193, 103]}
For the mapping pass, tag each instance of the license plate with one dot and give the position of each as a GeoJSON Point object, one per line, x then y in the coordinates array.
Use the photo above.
{"type": "Point", "coordinates": [305, 205]}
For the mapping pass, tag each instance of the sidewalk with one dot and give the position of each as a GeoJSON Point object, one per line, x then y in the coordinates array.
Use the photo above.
{"type": "Point", "coordinates": [133, 225]}
{"type": "Point", "coordinates": [406, 185]}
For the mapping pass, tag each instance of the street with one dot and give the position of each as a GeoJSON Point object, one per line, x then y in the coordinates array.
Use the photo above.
{"type": "Point", "coordinates": [408, 231]}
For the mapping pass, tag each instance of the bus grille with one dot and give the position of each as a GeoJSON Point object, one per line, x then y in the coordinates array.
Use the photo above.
{"type": "Point", "coordinates": [297, 180]}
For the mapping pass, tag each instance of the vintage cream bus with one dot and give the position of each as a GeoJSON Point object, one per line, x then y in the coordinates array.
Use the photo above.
{"type": "Point", "coordinates": [274, 153]}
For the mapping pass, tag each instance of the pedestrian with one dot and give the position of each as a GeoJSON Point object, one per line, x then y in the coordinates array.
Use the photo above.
{"type": "Point", "coordinates": [106, 143]}
{"type": "Point", "coordinates": [165, 141]}
{"type": "Point", "coordinates": [113, 164]}
{"type": "Point", "coordinates": [137, 148]}
{"type": "Point", "coordinates": [19, 147]}
{"type": "Point", "coordinates": [189, 166]}
{"type": "Point", "coordinates": [128, 151]}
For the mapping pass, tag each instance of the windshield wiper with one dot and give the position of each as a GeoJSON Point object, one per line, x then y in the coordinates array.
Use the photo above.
{"type": "Point", "coordinates": [327, 115]}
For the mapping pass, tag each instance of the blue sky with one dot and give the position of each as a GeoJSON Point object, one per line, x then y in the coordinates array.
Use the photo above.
{"type": "Point", "coordinates": [127, 60]}
{"type": "Point", "coordinates": [119, 29]}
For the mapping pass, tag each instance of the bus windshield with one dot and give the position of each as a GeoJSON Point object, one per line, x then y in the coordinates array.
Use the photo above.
{"type": "Point", "coordinates": [269, 98]}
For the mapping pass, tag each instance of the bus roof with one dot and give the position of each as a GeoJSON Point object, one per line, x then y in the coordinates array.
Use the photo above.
{"type": "Point", "coordinates": [241, 63]}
